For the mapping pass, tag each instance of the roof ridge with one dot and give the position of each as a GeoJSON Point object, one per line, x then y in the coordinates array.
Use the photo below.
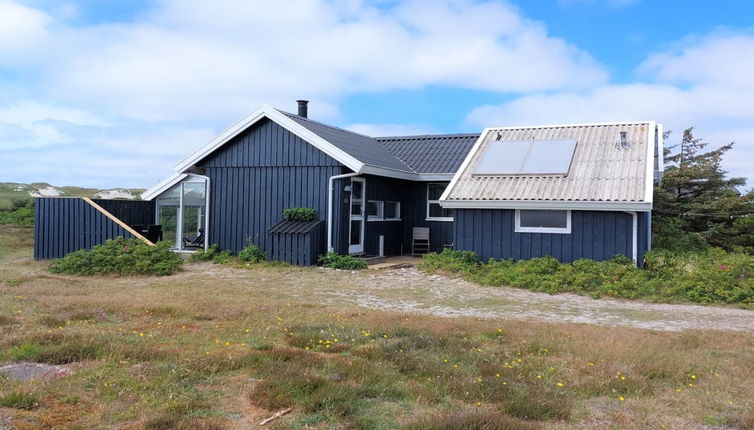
{"type": "Point", "coordinates": [303, 118]}
{"type": "Point", "coordinates": [424, 136]}
{"type": "Point", "coordinates": [343, 130]}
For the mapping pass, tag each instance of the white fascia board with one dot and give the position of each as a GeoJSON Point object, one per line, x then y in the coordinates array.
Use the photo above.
{"type": "Point", "coordinates": [399, 174]}
{"type": "Point", "coordinates": [541, 204]}
{"type": "Point", "coordinates": [267, 111]}
{"type": "Point", "coordinates": [465, 164]}
{"type": "Point", "coordinates": [429, 177]}
{"type": "Point", "coordinates": [660, 148]}
{"type": "Point", "coordinates": [390, 173]}
{"type": "Point", "coordinates": [163, 186]}
{"type": "Point", "coordinates": [650, 178]}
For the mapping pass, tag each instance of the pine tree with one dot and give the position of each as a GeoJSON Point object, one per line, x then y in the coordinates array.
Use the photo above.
{"type": "Point", "coordinates": [697, 205]}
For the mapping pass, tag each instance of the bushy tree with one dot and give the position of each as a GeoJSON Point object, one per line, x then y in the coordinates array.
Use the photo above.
{"type": "Point", "coordinates": [697, 205]}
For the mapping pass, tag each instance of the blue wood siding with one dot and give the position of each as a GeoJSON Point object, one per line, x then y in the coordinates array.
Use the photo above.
{"type": "Point", "coordinates": [65, 225]}
{"type": "Point", "coordinates": [259, 173]}
{"type": "Point", "coordinates": [595, 235]}
{"type": "Point", "coordinates": [413, 198]}
{"type": "Point", "coordinates": [131, 212]}
{"type": "Point", "coordinates": [415, 215]}
{"type": "Point", "coordinates": [385, 189]}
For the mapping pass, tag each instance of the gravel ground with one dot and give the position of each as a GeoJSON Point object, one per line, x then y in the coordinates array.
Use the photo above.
{"type": "Point", "coordinates": [410, 290]}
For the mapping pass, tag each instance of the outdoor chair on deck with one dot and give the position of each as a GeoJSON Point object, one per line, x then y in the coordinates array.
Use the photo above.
{"type": "Point", "coordinates": [420, 241]}
{"type": "Point", "coordinates": [197, 242]}
{"type": "Point", "coordinates": [154, 233]}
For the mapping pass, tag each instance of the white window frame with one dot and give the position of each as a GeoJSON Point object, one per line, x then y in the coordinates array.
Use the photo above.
{"type": "Point", "coordinates": [397, 211]}
{"type": "Point", "coordinates": [555, 230]}
{"type": "Point", "coordinates": [381, 212]}
{"type": "Point", "coordinates": [429, 202]}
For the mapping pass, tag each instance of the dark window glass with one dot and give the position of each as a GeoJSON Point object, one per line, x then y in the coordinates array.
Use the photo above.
{"type": "Point", "coordinates": [355, 232]}
{"type": "Point", "coordinates": [391, 210]}
{"type": "Point", "coordinates": [434, 191]}
{"type": "Point", "coordinates": [374, 209]}
{"type": "Point", "coordinates": [542, 218]}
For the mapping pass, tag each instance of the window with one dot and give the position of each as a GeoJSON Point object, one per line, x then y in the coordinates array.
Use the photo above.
{"type": "Point", "coordinates": [375, 210]}
{"type": "Point", "coordinates": [435, 212]}
{"type": "Point", "coordinates": [543, 221]}
{"type": "Point", "coordinates": [392, 211]}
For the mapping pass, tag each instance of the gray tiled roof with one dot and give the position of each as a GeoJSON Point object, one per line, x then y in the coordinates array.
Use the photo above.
{"type": "Point", "coordinates": [441, 153]}
{"type": "Point", "coordinates": [361, 147]}
{"type": "Point", "coordinates": [601, 170]}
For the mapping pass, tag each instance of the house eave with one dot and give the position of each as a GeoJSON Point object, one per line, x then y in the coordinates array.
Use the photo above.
{"type": "Point", "coordinates": [547, 204]}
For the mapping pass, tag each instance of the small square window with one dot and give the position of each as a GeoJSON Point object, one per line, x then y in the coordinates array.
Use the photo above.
{"type": "Point", "coordinates": [392, 210]}
{"type": "Point", "coordinates": [375, 210]}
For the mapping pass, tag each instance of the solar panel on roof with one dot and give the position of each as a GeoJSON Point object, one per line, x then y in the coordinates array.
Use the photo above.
{"type": "Point", "coordinates": [527, 157]}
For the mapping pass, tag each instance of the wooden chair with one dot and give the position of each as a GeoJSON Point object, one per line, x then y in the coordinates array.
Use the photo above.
{"type": "Point", "coordinates": [420, 241]}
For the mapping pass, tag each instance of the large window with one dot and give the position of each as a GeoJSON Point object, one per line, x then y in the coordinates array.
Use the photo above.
{"type": "Point", "coordinates": [435, 212]}
{"type": "Point", "coordinates": [181, 211]}
{"type": "Point", "coordinates": [543, 221]}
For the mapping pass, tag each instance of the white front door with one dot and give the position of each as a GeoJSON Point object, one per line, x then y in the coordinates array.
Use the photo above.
{"type": "Point", "coordinates": [356, 221]}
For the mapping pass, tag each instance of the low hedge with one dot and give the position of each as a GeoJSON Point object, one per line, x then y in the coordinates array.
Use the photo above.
{"type": "Point", "coordinates": [712, 276]}
{"type": "Point", "coordinates": [344, 262]}
{"type": "Point", "coordinates": [122, 257]}
{"type": "Point", "coordinates": [299, 214]}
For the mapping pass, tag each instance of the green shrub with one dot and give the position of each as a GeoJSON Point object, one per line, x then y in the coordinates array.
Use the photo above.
{"type": "Point", "coordinates": [299, 214]}
{"type": "Point", "coordinates": [711, 276]}
{"type": "Point", "coordinates": [345, 262]}
{"type": "Point", "coordinates": [213, 254]}
{"type": "Point", "coordinates": [252, 254]}
{"type": "Point", "coordinates": [122, 257]}
{"type": "Point", "coordinates": [19, 400]}
{"type": "Point", "coordinates": [21, 212]}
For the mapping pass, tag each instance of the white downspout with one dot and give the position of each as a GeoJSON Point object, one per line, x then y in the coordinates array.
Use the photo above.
{"type": "Point", "coordinates": [206, 209]}
{"type": "Point", "coordinates": [634, 236]}
{"type": "Point", "coordinates": [331, 181]}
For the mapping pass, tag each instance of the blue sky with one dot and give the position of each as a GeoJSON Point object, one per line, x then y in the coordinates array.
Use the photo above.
{"type": "Point", "coordinates": [108, 93]}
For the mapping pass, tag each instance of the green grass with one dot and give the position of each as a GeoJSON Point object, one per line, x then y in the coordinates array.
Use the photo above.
{"type": "Point", "coordinates": [19, 400]}
{"type": "Point", "coordinates": [194, 349]}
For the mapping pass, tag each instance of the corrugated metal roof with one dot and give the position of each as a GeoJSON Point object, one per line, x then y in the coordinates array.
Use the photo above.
{"type": "Point", "coordinates": [363, 148]}
{"type": "Point", "coordinates": [286, 226]}
{"type": "Point", "coordinates": [441, 153]}
{"type": "Point", "coordinates": [601, 171]}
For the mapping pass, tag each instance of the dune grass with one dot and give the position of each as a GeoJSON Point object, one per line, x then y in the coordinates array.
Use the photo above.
{"type": "Point", "coordinates": [201, 350]}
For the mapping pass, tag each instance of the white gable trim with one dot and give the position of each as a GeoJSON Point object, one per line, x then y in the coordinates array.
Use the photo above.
{"type": "Point", "coordinates": [267, 111]}
{"type": "Point", "coordinates": [163, 186]}
{"type": "Point", "coordinates": [465, 164]}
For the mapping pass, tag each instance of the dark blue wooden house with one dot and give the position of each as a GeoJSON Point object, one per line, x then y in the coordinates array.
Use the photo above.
{"type": "Point", "coordinates": [570, 191]}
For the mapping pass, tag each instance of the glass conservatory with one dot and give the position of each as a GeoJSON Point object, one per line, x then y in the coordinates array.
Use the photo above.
{"type": "Point", "coordinates": [182, 212]}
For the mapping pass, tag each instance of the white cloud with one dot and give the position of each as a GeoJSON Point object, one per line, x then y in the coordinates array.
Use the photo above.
{"type": "Point", "coordinates": [21, 29]}
{"type": "Point", "coordinates": [706, 83]}
{"type": "Point", "coordinates": [115, 94]}
{"type": "Point", "coordinates": [192, 58]}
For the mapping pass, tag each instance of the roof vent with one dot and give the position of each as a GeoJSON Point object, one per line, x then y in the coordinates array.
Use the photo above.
{"type": "Point", "coordinates": [624, 143]}
{"type": "Point", "coordinates": [303, 108]}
